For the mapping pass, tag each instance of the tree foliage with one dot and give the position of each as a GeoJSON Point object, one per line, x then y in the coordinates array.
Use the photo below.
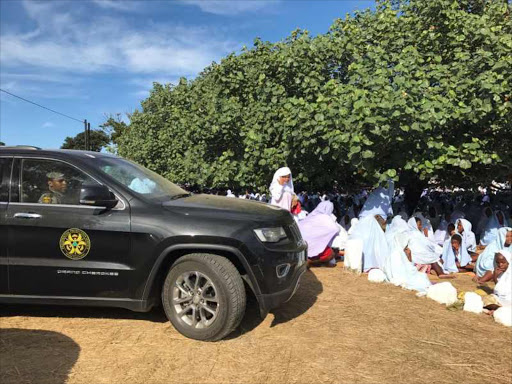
{"type": "Point", "coordinates": [114, 127]}
{"type": "Point", "coordinates": [99, 139]}
{"type": "Point", "coordinates": [418, 91]}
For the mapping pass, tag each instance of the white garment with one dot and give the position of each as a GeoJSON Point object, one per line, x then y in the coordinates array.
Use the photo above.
{"type": "Point", "coordinates": [468, 237]}
{"type": "Point", "coordinates": [399, 270]}
{"type": "Point", "coordinates": [503, 288]}
{"type": "Point", "coordinates": [282, 194]}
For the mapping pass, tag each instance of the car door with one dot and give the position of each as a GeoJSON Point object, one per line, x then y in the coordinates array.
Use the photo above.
{"type": "Point", "coordinates": [5, 175]}
{"type": "Point", "coordinates": [58, 247]}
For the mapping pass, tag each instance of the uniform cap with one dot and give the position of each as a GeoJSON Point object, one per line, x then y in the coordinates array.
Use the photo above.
{"type": "Point", "coordinates": [55, 175]}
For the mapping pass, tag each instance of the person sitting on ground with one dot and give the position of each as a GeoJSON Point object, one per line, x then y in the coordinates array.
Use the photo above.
{"type": "Point", "coordinates": [281, 188]}
{"type": "Point", "coordinates": [484, 267]}
{"type": "Point", "coordinates": [502, 276]}
{"type": "Point", "coordinates": [442, 234]}
{"type": "Point", "coordinates": [425, 254]}
{"type": "Point", "coordinates": [455, 256]}
{"type": "Point", "coordinates": [468, 238]}
{"type": "Point", "coordinates": [399, 269]}
{"type": "Point", "coordinates": [495, 222]}
{"type": "Point", "coordinates": [319, 230]}
{"type": "Point", "coordinates": [370, 231]}
{"type": "Point", "coordinates": [57, 185]}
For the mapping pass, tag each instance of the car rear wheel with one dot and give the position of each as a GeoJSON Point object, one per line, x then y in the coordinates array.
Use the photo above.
{"type": "Point", "coordinates": [204, 296]}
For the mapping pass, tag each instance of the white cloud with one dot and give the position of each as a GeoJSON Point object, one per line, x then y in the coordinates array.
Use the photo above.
{"type": "Point", "coordinates": [227, 7]}
{"type": "Point", "coordinates": [48, 124]}
{"type": "Point", "coordinates": [63, 41]}
{"type": "Point", "coordinates": [118, 5]}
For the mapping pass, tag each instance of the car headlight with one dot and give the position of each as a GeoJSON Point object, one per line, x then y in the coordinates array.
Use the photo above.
{"type": "Point", "coordinates": [270, 235]}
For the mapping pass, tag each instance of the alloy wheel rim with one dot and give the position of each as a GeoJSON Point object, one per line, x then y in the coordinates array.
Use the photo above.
{"type": "Point", "coordinates": [194, 298]}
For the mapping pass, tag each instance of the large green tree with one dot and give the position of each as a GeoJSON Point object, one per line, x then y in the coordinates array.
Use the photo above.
{"type": "Point", "coordinates": [98, 140]}
{"type": "Point", "coordinates": [418, 91]}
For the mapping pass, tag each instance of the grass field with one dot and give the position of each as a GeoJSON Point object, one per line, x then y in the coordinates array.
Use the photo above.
{"type": "Point", "coordinates": [338, 328]}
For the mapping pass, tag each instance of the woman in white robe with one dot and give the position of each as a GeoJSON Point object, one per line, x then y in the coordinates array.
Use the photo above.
{"type": "Point", "coordinates": [484, 266]}
{"type": "Point", "coordinates": [424, 253]}
{"type": "Point", "coordinates": [375, 246]}
{"type": "Point", "coordinates": [399, 270]}
{"type": "Point", "coordinates": [379, 202]}
{"type": "Point", "coordinates": [455, 256]}
{"type": "Point", "coordinates": [463, 228]}
{"type": "Point", "coordinates": [281, 188]}
{"type": "Point", "coordinates": [495, 222]}
{"type": "Point", "coordinates": [503, 277]}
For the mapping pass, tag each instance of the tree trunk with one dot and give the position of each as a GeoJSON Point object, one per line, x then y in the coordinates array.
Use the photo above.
{"type": "Point", "coordinates": [413, 187]}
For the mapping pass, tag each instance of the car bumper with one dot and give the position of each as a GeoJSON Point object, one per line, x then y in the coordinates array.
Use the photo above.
{"type": "Point", "coordinates": [270, 301]}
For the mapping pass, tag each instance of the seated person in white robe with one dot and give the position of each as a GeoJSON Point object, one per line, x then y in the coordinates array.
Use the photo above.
{"type": "Point", "coordinates": [484, 267]}
{"type": "Point", "coordinates": [455, 256]}
{"type": "Point", "coordinates": [502, 276]}
{"type": "Point", "coordinates": [399, 270]}
{"type": "Point", "coordinates": [463, 228]}
{"type": "Point", "coordinates": [425, 254]}
{"type": "Point", "coordinates": [495, 222]}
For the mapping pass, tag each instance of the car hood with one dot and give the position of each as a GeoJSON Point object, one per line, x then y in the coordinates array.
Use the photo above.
{"type": "Point", "coordinates": [229, 208]}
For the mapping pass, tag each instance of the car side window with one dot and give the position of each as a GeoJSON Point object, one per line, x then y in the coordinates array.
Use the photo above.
{"type": "Point", "coordinates": [5, 174]}
{"type": "Point", "coordinates": [51, 182]}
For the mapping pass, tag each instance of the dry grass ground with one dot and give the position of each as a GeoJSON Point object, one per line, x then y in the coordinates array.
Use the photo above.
{"type": "Point", "coordinates": [339, 328]}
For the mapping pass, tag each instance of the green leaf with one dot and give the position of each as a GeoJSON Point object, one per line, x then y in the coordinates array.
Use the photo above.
{"type": "Point", "coordinates": [465, 164]}
{"type": "Point", "coordinates": [368, 154]}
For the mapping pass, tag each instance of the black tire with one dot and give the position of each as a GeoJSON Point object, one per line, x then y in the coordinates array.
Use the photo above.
{"type": "Point", "coordinates": [228, 290]}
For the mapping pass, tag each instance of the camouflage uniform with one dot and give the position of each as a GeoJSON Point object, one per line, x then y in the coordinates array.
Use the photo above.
{"type": "Point", "coordinates": [52, 197]}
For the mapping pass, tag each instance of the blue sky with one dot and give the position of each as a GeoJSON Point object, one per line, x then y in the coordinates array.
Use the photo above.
{"type": "Point", "coordinates": [90, 59]}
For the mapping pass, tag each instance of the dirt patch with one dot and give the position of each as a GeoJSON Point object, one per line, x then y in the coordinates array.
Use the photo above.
{"type": "Point", "coordinates": [339, 328]}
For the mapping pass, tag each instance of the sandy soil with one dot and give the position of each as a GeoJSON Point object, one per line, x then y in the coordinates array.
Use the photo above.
{"type": "Point", "coordinates": [339, 328]}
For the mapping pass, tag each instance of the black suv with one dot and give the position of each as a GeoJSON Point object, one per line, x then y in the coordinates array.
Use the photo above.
{"type": "Point", "coordinates": [88, 228]}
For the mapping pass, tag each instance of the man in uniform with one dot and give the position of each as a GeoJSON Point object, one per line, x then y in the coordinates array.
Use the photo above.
{"type": "Point", "coordinates": [57, 185]}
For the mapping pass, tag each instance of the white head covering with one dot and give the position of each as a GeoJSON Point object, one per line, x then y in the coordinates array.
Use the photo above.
{"type": "Point", "coordinates": [413, 226]}
{"type": "Point", "coordinates": [491, 229]}
{"type": "Point", "coordinates": [468, 237]}
{"type": "Point", "coordinates": [379, 202]}
{"type": "Point", "coordinates": [485, 261]}
{"type": "Point", "coordinates": [449, 262]}
{"type": "Point", "coordinates": [503, 289]}
{"type": "Point", "coordinates": [399, 270]}
{"type": "Point", "coordinates": [288, 187]}
{"type": "Point", "coordinates": [282, 194]}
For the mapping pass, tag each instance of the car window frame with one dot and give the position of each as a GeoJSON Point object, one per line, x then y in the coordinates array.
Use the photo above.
{"type": "Point", "coordinates": [20, 159]}
{"type": "Point", "coordinates": [9, 178]}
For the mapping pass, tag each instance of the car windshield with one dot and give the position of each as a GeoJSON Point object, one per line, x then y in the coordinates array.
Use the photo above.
{"type": "Point", "coordinates": [139, 179]}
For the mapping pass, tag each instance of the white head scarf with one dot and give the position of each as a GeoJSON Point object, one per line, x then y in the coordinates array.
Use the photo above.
{"type": "Point", "coordinates": [288, 187]}
{"type": "Point", "coordinates": [468, 237]}
{"type": "Point", "coordinates": [503, 289]}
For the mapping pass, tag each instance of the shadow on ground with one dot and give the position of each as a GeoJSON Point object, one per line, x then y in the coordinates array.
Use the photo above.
{"type": "Point", "coordinates": [301, 302]}
{"type": "Point", "coordinates": [156, 315]}
{"type": "Point", "coordinates": [34, 356]}
{"type": "Point", "coordinates": [306, 295]}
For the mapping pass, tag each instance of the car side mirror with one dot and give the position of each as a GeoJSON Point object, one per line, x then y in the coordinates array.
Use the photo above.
{"type": "Point", "coordinates": [97, 196]}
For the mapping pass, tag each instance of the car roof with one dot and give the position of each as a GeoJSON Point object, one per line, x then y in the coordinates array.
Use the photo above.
{"type": "Point", "coordinates": [30, 150]}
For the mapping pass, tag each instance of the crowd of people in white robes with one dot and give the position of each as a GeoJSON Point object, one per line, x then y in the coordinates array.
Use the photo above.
{"type": "Point", "coordinates": [438, 238]}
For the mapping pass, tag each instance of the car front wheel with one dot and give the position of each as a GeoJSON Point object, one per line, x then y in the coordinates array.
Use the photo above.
{"type": "Point", "coordinates": [204, 296]}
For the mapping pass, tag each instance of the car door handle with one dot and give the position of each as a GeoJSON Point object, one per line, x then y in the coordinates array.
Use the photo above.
{"type": "Point", "coordinates": [27, 216]}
